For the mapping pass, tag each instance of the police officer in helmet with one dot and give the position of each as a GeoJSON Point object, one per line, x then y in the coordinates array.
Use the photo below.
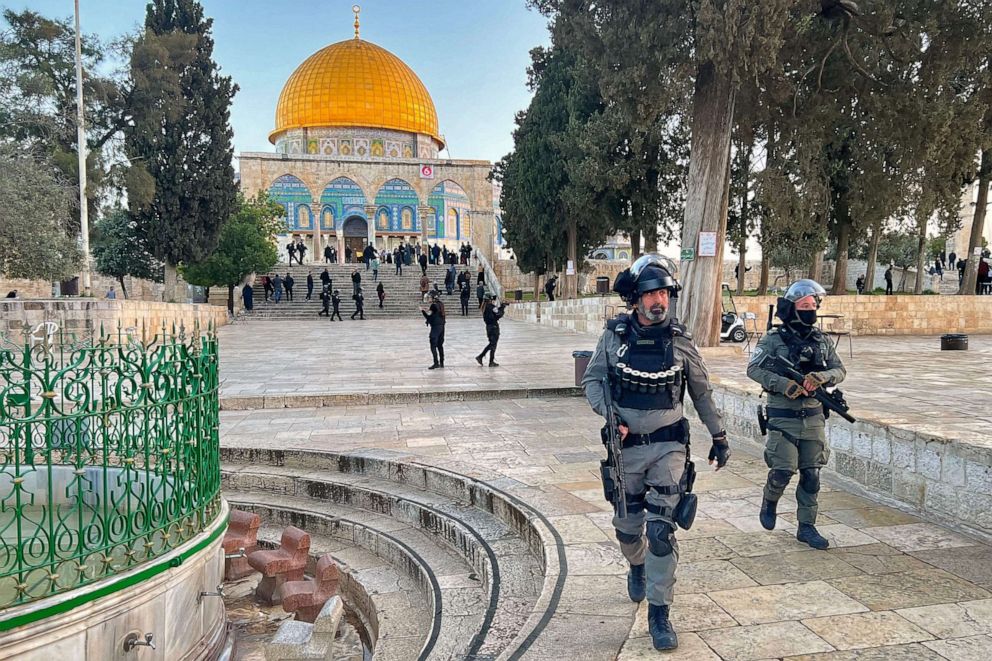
{"type": "Point", "coordinates": [650, 361]}
{"type": "Point", "coordinates": [796, 423]}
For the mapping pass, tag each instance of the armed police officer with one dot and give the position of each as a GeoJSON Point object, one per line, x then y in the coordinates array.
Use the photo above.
{"type": "Point", "coordinates": [643, 365]}
{"type": "Point", "coordinates": [796, 422]}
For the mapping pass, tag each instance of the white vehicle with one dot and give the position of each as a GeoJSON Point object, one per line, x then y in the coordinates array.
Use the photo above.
{"type": "Point", "coordinates": [731, 324]}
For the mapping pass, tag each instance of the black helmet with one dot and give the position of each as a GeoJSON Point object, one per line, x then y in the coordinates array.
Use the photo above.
{"type": "Point", "coordinates": [800, 289]}
{"type": "Point", "coordinates": [649, 273]}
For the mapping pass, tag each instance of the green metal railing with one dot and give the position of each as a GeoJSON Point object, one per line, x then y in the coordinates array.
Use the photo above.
{"type": "Point", "coordinates": [109, 454]}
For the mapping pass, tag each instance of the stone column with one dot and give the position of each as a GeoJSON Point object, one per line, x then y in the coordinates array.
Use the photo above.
{"type": "Point", "coordinates": [318, 218]}
{"type": "Point", "coordinates": [370, 214]}
{"type": "Point", "coordinates": [339, 235]}
{"type": "Point", "coordinates": [423, 213]}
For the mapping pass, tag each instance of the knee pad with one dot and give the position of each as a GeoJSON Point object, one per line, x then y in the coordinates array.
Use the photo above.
{"type": "Point", "coordinates": [627, 538]}
{"type": "Point", "coordinates": [779, 479]}
{"type": "Point", "coordinates": [809, 480]}
{"type": "Point", "coordinates": [660, 538]}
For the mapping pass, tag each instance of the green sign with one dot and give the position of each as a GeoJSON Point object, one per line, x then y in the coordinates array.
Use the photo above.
{"type": "Point", "coordinates": [688, 254]}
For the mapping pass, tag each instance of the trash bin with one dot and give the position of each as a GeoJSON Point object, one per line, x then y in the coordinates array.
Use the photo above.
{"type": "Point", "coordinates": [518, 294]}
{"type": "Point", "coordinates": [954, 342]}
{"type": "Point", "coordinates": [582, 359]}
{"type": "Point", "coordinates": [602, 285]}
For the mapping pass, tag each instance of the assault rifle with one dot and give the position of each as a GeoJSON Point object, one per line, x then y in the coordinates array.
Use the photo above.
{"type": "Point", "coordinates": [611, 468]}
{"type": "Point", "coordinates": [831, 401]}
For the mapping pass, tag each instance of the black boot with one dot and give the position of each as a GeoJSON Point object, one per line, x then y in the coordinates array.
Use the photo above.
{"type": "Point", "coordinates": [434, 366]}
{"type": "Point", "coordinates": [478, 359]}
{"type": "Point", "coordinates": [662, 634]}
{"type": "Point", "coordinates": [636, 583]}
{"type": "Point", "coordinates": [767, 514]}
{"type": "Point", "coordinates": [808, 534]}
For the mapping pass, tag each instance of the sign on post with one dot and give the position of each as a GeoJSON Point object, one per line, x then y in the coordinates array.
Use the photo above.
{"type": "Point", "coordinates": [707, 244]}
{"type": "Point", "coordinates": [688, 255]}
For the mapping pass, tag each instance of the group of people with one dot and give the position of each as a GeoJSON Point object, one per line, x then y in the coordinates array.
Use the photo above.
{"type": "Point", "coordinates": [644, 364]}
{"type": "Point", "coordinates": [297, 250]}
{"type": "Point", "coordinates": [435, 318]}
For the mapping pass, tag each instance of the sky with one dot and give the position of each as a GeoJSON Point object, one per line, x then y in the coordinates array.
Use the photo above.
{"type": "Point", "coordinates": [471, 55]}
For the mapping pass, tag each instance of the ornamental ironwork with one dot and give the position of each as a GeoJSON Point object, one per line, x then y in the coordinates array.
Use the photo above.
{"type": "Point", "coordinates": [109, 453]}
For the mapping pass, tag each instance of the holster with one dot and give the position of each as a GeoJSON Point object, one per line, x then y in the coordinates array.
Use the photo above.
{"type": "Point", "coordinates": [609, 486]}
{"type": "Point", "coordinates": [762, 420]}
{"type": "Point", "coordinates": [685, 511]}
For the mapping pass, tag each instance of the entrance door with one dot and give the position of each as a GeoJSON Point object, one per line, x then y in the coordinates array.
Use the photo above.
{"type": "Point", "coordinates": [356, 235]}
{"type": "Point", "coordinates": [356, 244]}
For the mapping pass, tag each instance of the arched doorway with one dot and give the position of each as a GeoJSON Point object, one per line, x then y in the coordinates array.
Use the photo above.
{"type": "Point", "coordinates": [356, 234]}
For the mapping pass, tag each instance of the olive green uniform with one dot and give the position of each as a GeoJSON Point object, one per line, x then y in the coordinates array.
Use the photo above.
{"type": "Point", "coordinates": [796, 427]}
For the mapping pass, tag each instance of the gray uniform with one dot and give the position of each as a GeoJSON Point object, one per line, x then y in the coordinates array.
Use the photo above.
{"type": "Point", "coordinates": [660, 464]}
{"type": "Point", "coordinates": [796, 427]}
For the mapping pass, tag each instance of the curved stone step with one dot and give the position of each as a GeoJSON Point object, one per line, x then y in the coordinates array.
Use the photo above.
{"type": "Point", "coordinates": [529, 565]}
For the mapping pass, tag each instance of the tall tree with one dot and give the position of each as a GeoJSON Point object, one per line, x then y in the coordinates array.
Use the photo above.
{"type": "Point", "coordinates": [245, 247]}
{"type": "Point", "coordinates": [35, 208]}
{"type": "Point", "coordinates": [120, 251]}
{"type": "Point", "coordinates": [181, 185]}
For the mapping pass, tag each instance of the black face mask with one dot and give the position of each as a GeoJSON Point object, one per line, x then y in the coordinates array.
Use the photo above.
{"type": "Point", "coordinates": [806, 317]}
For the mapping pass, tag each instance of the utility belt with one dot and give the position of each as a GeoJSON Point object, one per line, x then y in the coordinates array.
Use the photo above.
{"type": "Point", "coordinates": [805, 412]}
{"type": "Point", "coordinates": [677, 432]}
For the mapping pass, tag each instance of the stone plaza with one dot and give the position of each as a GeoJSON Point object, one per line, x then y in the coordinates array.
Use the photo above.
{"type": "Point", "coordinates": [899, 581]}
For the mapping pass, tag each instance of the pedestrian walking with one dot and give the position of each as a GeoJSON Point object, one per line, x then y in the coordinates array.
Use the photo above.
{"type": "Point", "coordinates": [425, 285]}
{"type": "Point", "coordinates": [328, 254]}
{"type": "Point", "coordinates": [398, 260]}
{"type": "Point", "coordinates": [277, 288]}
{"type": "Point", "coordinates": [659, 364]}
{"type": "Point", "coordinates": [464, 294]}
{"type": "Point", "coordinates": [422, 260]}
{"type": "Point", "coordinates": [888, 281]}
{"type": "Point", "coordinates": [796, 434]}
{"type": "Point", "coordinates": [356, 281]}
{"type": "Point", "coordinates": [381, 292]}
{"type": "Point", "coordinates": [347, 254]}
{"type": "Point", "coordinates": [288, 283]}
{"type": "Point", "coordinates": [309, 286]}
{"type": "Point", "coordinates": [434, 318]}
{"type": "Point", "coordinates": [291, 249]}
{"type": "Point", "coordinates": [549, 287]}
{"type": "Point", "coordinates": [325, 302]}
{"type": "Point", "coordinates": [301, 252]}
{"type": "Point", "coordinates": [480, 293]}
{"type": "Point", "coordinates": [248, 297]}
{"type": "Point", "coordinates": [359, 305]}
{"type": "Point", "coordinates": [325, 279]}
{"type": "Point", "coordinates": [375, 269]}
{"type": "Point", "coordinates": [491, 315]}
{"type": "Point", "coordinates": [336, 303]}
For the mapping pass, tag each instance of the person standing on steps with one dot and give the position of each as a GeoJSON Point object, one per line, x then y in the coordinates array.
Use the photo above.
{"type": "Point", "coordinates": [267, 287]}
{"type": "Point", "coordinates": [247, 296]}
{"type": "Point", "coordinates": [381, 292]}
{"type": "Point", "coordinates": [347, 254]}
{"type": "Point", "coordinates": [434, 318]}
{"type": "Point", "coordinates": [480, 293]}
{"type": "Point", "coordinates": [301, 252]}
{"type": "Point", "coordinates": [422, 260]}
{"type": "Point", "coordinates": [325, 302]}
{"type": "Point", "coordinates": [291, 249]}
{"type": "Point", "coordinates": [356, 282]}
{"type": "Point", "coordinates": [336, 302]}
{"type": "Point", "coordinates": [464, 295]}
{"type": "Point", "coordinates": [796, 423]}
{"type": "Point", "coordinates": [491, 316]}
{"type": "Point", "coordinates": [277, 288]}
{"type": "Point", "coordinates": [425, 286]}
{"type": "Point", "coordinates": [328, 254]}
{"type": "Point", "coordinates": [375, 268]}
{"type": "Point", "coordinates": [288, 282]}
{"type": "Point", "coordinates": [648, 362]}
{"type": "Point", "coordinates": [359, 304]}
{"type": "Point", "coordinates": [325, 279]}
{"type": "Point", "coordinates": [309, 286]}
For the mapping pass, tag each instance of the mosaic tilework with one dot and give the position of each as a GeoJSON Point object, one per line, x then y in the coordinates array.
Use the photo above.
{"type": "Point", "coordinates": [452, 205]}
{"type": "Point", "coordinates": [344, 199]}
{"type": "Point", "coordinates": [295, 197]}
{"type": "Point", "coordinates": [397, 202]}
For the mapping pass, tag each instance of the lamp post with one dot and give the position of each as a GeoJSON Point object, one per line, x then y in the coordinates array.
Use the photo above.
{"type": "Point", "coordinates": [84, 222]}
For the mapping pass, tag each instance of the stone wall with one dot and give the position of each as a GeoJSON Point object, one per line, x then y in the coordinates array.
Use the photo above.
{"type": "Point", "coordinates": [82, 316]}
{"type": "Point", "coordinates": [585, 315]}
{"type": "Point", "coordinates": [942, 477]}
{"type": "Point", "coordinates": [142, 290]}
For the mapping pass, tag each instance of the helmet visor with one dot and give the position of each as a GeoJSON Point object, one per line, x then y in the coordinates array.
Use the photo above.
{"type": "Point", "coordinates": [803, 288]}
{"type": "Point", "coordinates": [653, 258]}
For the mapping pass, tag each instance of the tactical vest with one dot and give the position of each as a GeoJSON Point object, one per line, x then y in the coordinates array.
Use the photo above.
{"type": "Point", "coordinates": [645, 376]}
{"type": "Point", "coordinates": [808, 354]}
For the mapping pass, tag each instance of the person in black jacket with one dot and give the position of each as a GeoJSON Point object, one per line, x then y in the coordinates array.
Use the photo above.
{"type": "Point", "coordinates": [359, 305]}
{"type": "Point", "coordinates": [435, 319]}
{"type": "Point", "coordinates": [464, 295]}
{"type": "Point", "coordinates": [288, 284]}
{"type": "Point", "coordinates": [309, 286]}
{"type": "Point", "coordinates": [356, 282]}
{"type": "Point", "coordinates": [325, 301]}
{"type": "Point", "coordinates": [381, 292]}
{"type": "Point", "coordinates": [422, 260]}
{"type": "Point", "coordinates": [491, 316]}
{"type": "Point", "coordinates": [325, 280]}
{"type": "Point", "coordinates": [336, 302]}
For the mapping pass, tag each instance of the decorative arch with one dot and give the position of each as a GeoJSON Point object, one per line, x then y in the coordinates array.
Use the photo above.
{"type": "Point", "coordinates": [294, 196]}
{"type": "Point", "coordinates": [344, 198]}
{"type": "Point", "coordinates": [401, 200]}
{"type": "Point", "coordinates": [327, 217]}
{"type": "Point", "coordinates": [453, 206]}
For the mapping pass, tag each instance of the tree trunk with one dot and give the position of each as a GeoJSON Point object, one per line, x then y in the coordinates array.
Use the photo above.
{"type": "Point", "coordinates": [706, 202]}
{"type": "Point", "coordinates": [537, 295]}
{"type": "Point", "coordinates": [921, 257]}
{"type": "Point", "coordinates": [120, 279]}
{"type": "Point", "coordinates": [876, 235]}
{"type": "Point", "coordinates": [230, 299]}
{"type": "Point", "coordinates": [763, 280]}
{"type": "Point", "coordinates": [635, 245]}
{"type": "Point", "coordinates": [651, 239]}
{"type": "Point", "coordinates": [171, 283]}
{"type": "Point", "coordinates": [816, 266]}
{"type": "Point", "coordinates": [970, 282]}
{"type": "Point", "coordinates": [572, 281]}
{"type": "Point", "coordinates": [840, 268]}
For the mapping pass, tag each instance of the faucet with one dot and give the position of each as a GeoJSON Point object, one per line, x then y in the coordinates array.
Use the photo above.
{"type": "Point", "coordinates": [218, 593]}
{"type": "Point", "coordinates": [131, 641]}
{"type": "Point", "coordinates": [240, 553]}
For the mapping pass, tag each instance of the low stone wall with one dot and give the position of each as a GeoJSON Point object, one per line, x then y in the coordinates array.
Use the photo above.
{"type": "Point", "coordinates": [137, 289]}
{"type": "Point", "coordinates": [892, 315]}
{"type": "Point", "coordinates": [585, 315]}
{"type": "Point", "coordinates": [945, 478]}
{"type": "Point", "coordinates": [82, 315]}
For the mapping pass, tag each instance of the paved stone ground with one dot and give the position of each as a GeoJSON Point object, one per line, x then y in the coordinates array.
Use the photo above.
{"type": "Point", "coordinates": [893, 586]}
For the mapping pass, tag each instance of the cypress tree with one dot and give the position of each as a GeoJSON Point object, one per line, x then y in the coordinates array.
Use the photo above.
{"type": "Point", "coordinates": [181, 185]}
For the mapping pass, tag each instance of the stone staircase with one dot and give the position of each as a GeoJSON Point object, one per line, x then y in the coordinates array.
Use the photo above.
{"type": "Point", "coordinates": [437, 564]}
{"type": "Point", "coordinates": [402, 292]}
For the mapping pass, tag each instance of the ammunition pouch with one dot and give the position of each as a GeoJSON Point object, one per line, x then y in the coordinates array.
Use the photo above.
{"type": "Point", "coordinates": [685, 511]}
{"type": "Point", "coordinates": [609, 485]}
{"type": "Point", "coordinates": [762, 420]}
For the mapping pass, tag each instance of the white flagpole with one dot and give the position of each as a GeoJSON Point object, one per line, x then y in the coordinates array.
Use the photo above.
{"type": "Point", "coordinates": [84, 223]}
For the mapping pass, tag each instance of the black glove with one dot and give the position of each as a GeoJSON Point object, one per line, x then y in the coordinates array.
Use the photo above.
{"type": "Point", "coordinates": [720, 450]}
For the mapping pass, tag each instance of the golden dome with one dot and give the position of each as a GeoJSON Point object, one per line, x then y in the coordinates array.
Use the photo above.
{"type": "Point", "coordinates": [356, 83]}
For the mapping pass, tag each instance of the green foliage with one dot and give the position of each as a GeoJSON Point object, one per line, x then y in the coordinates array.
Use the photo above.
{"type": "Point", "coordinates": [900, 248]}
{"type": "Point", "coordinates": [245, 245]}
{"type": "Point", "coordinates": [34, 213]}
{"type": "Point", "coordinates": [38, 100]}
{"type": "Point", "coordinates": [120, 251]}
{"type": "Point", "coordinates": [181, 188]}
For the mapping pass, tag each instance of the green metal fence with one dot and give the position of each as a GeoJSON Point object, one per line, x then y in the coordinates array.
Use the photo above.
{"type": "Point", "coordinates": [109, 454]}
